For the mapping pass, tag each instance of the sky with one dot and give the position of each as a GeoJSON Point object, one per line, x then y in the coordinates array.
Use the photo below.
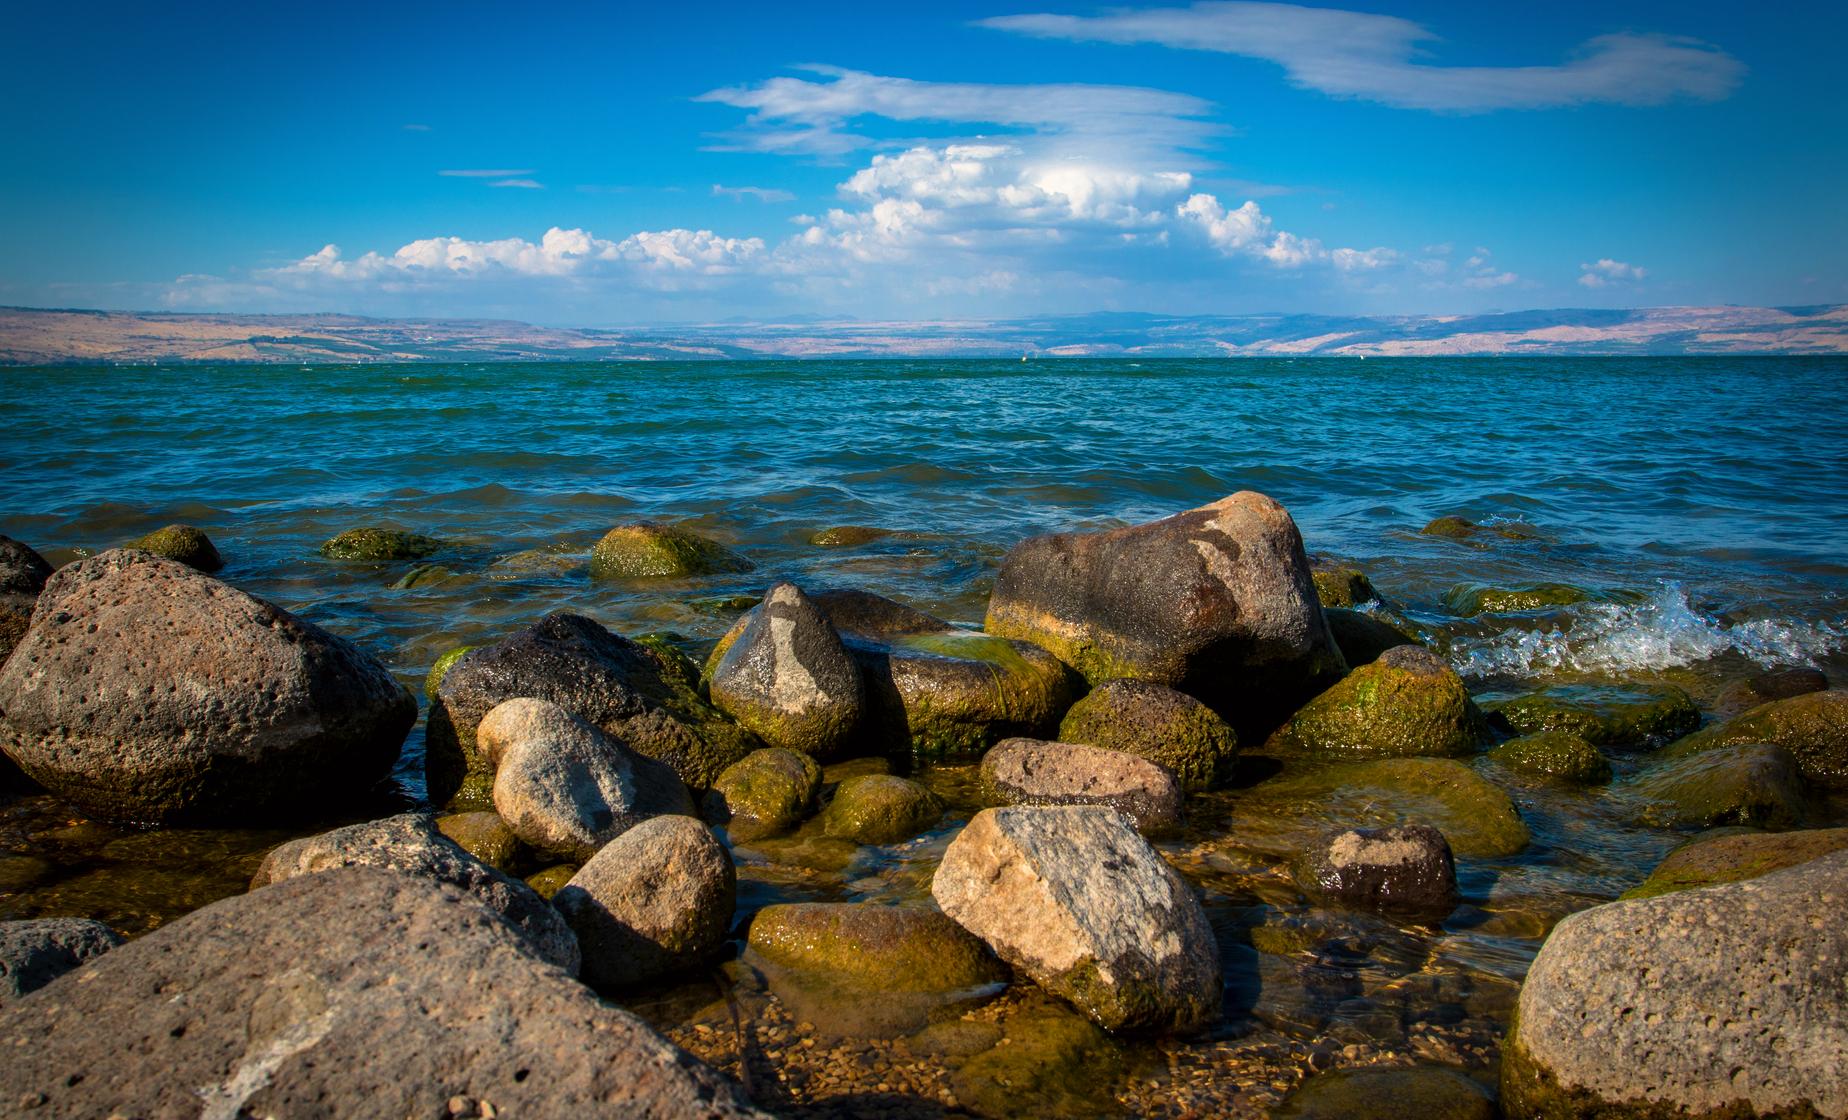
{"type": "Point", "coordinates": [611, 164]}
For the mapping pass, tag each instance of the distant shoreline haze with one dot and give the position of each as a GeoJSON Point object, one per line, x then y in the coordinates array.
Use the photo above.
{"type": "Point", "coordinates": [35, 336]}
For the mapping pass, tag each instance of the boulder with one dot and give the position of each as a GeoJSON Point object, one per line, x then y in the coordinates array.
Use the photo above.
{"type": "Point", "coordinates": [1556, 755]}
{"type": "Point", "coordinates": [440, 668]}
{"type": "Point", "coordinates": [848, 536]}
{"type": "Point", "coordinates": [1762, 688]}
{"type": "Point", "coordinates": [655, 901]}
{"type": "Point", "coordinates": [1472, 599]}
{"type": "Point", "coordinates": [788, 678]}
{"type": "Point", "coordinates": [1727, 1001]}
{"type": "Point", "coordinates": [1425, 1092]}
{"type": "Point", "coordinates": [1730, 859]}
{"type": "Point", "coordinates": [357, 992]}
{"type": "Point", "coordinates": [1032, 772]}
{"type": "Point", "coordinates": [1813, 727]}
{"type": "Point", "coordinates": [1406, 704]}
{"type": "Point", "coordinates": [1363, 635]}
{"type": "Point", "coordinates": [1475, 815]}
{"type": "Point", "coordinates": [22, 570]}
{"type": "Point", "coordinates": [1750, 784]}
{"type": "Point", "coordinates": [376, 544]}
{"type": "Point", "coordinates": [410, 843]}
{"type": "Point", "coordinates": [635, 692]}
{"type": "Point", "coordinates": [1217, 602]}
{"type": "Point", "coordinates": [565, 787]}
{"type": "Point", "coordinates": [1627, 717]}
{"type": "Point", "coordinates": [1073, 897]}
{"type": "Point", "coordinates": [764, 793]}
{"type": "Point", "coordinates": [1458, 528]}
{"type": "Point", "coordinates": [36, 951]}
{"type": "Point", "coordinates": [1406, 870]}
{"type": "Point", "coordinates": [146, 691]}
{"type": "Point", "coordinates": [1155, 722]}
{"type": "Point", "coordinates": [649, 549]}
{"type": "Point", "coordinates": [483, 835]}
{"type": "Point", "coordinates": [880, 809]}
{"type": "Point", "coordinates": [1337, 585]}
{"type": "Point", "coordinates": [188, 545]}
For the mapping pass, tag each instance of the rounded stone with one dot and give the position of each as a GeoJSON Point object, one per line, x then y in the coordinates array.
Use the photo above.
{"type": "Point", "coordinates": [188, 545]}
{"type": "Point", "coordinates": [1813, 727]}
{"type": "Point", "coordinates": [1475, 815]}
{"type": "Point", "coordinates": [788, 678]}
{"type": "Point", "coordinates": [434, 679]}
{"type": "Point", "coordinates": [1731, 859]}
{"type": "Point", "coordinates": [1763, 688]}
{"type": "Point", "coordinates": [1033, 772]}
{"type": "Point", "coordinates": [1627, 717]}
{"type": "Point", "coordinates": [1406, 704]}
{"type": "Point", "coordinates": [848, 536]}
{"type": "Point", "coordinates": [650, 549]}
{"type": "Point", "coordinates": [1471, 599]}
{"type": "Point", "coordinates": [1556, 755]}
{"type": "Point", "coordinates": [377, 544]}
{"type": "Point", "coordinates": [549, 882]}
{"type": "Point", "coordinates": [880, 809]}
{"type": "Point", "coordinates": [36, 951]}
{"type": "Point", "coordinates": [482, 835]}
{"type": "Point", "coordinates": [1406, 869]}
{"type": "Point", "coordinates": [1152, 721]}
{"type": "Point", "coordinates": [764, 793]}
{"type": "Point", "coordinates": [22, 570]}
{"type": "Point", "coordinates": [1752, 784]}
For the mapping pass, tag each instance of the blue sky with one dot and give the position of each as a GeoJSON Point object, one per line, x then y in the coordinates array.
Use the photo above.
{"type": "Point", "coordinates": [610, 164]}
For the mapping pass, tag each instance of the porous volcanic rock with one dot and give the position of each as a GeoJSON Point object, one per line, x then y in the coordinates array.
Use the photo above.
{"type": "Point", "coordinates": [36, 951]}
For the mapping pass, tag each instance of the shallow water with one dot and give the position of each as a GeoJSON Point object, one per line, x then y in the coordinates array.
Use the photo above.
{"type": "Point", "coordinates": [1702, 503]}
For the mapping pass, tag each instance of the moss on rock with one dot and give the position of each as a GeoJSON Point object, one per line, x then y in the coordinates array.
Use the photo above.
{"type": "Point", "coordinates": [650, 549]}
{"type": "Point", "coordinates": [442, 666]}
{"type": "Point", "coordinates": [880, 809]}
{"type": "Point", "coordinates": [1603, 715]}
{"type": "Point", "coordinates": [1158, 723]}
{"type": "Point", "coordinates": [1339, 586]}
{"type": "Point", "coordinates": [764, 793]}
{"type": "Point", "coordinates": [874, 947]}
{"type": "Point", "coordinates": [1406, 704]}
{"type": "Point", "coordinates": [552, 880]}
{"type": "Point", "coordinates": [1475, 815]}
{"type": "Point", "coordinates": [1754, 784]}
{"type": "Point", "coordinates": [375, 544]}
{"type": "Point", "coordinates": [1813, 727]}
{"type": "Point", "coordinates": [1051, 1062]}
{"type": "Point", "coordinates": [1558, 755]}
{"type": "Point", "coordinates": [1471, 599]}
{"type": "Point", "coordinates": [483, 835]}
{"type": "Point", "coordinates": [1730, 859]}
{"type": "Point", "coordinates": [188, 545]}
{"type": "Point", "coordinates": [848, 536]}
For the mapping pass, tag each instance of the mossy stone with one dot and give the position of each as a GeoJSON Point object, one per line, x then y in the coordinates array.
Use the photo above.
{"type": "Point", "coordinates": [874, 947]}
{"type": "Point", "coordinates": [1475, 815]}
{"type": "Point", "coordinates": [425, 575]}
{"type": "Point", "coordinates": [1406, 704]}
{"type": "Point", "coordinates": [1426, 1092]}
{"type": "Point", "coordinates": [1158, 723]}
{"type": "Point", "coordinates": [442, 666]}
{"type": "Point", "coordinates": [552, 880]}
{"type": "Point", "coordinates": [1473, 599]}
{"type": "Point", "coordinates": [650, 549]}
{"type": "Point", "coordinates": [1602, 715]}
{"type": "Point", "coordinates": [1458, 528]}
{"type": "Point", "coordinates": [764, 793]}
{"type": "Point", "coordinates": [1337, 586]}
{"type": "Point", "coordinates": [188, 545]}
{"type": "Point", "coordinates": [1050, 1063]}
{"type": "Point", "coordinates": [1558, 755]}
{"type": "Point", "coordinates": [848, 536]}
{"type": "Point", "coordinates": [482, 835]}
{"type": "Point", "coordinates": [1753, 784]}
{"type": "Point", "coordinates": [1813, 727]}
{"type": "Point", "coordinates": [1730, 859]}
{"type": "Point", "coordinates": [880, 809]}
{"type": "Point", "coordinates": [674, 659]}
{"type": "Point", "coordinates": [379, 544]}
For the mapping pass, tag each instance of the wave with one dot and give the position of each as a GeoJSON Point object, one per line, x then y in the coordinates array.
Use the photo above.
{"type": "Point", "coordinates": [1667, 631]}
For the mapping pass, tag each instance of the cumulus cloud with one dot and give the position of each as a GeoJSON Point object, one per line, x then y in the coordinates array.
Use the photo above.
{"type": "Point", "coordinates": [1605, 272]}
{"type": "Point", "coordinates": [559, 253]}
{"type": "Point", "coordinates": [1376, 57]}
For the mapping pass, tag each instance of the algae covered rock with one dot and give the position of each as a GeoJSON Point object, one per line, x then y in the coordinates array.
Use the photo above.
{"type": "Point", "coordinates": [1813, 727]}
{"type": "Point", "coordinates": [1458, 528]}
{"type": "Point", "coordinates": [1405, 869]}
{"type": "Point", "coordinates": [376, 544]}
{"type": "Point", "coordinates": [482, 835]}
{"type": "Point", "coordinates": [848, 536]}
{"type": "Point", "coordinates": [1556, 755]}
{"type": "Point", "coordinates": [788, 678]}
{"type": "Point", "coordinates": [549, 882]}
{"type": "Point", "coordinates": [764, 793]}
{"type": "Point", "coordinates": [1471, 599]}
{"type": "Point", "coordinates": [1076, 899]}
{"type": "Point", "coordinates": [655, 901]}
{"type": "Point", "coordinates": [1423, 1092]}
{"type": "Point", "coordinates": [1730, 859]}
{"type": "Point", "coordinates": [1749, 784]}
{"type": "Point", "coordinates": [1152, 721]}
{"type": "Point", "coordinates": [1476, 816]}
{"type": "Point", "coordinates": [188, 545]}
{"type": "Point", "coordinates": [1604, 715]}
{"type": "Point", "coordinates": [36, 951]}
{"type": "Point", "coordinates": [1340, 586]}
{"type": "Point", "coordinates": [1032, 772]}
{"type": "Point", "coordinates": [650, 549]}
{"type": "Point", "coordinates": [147, 691]}
{"type": "Point", "coordinates": [441, 667]}
{"type": "Point", "coordinates": [1049, 1062]}
{"type": "Point", "coordinates": [1362, 636]}
{"type": "Point", "coordinates": [880, 809]}
{"type": "Point", "coordinates": [1728, 1001]}
{"type": "Point", "coordinates": [1406, 704]}
{"type": "Point", "coordinates": [1763, 688]}
{"type": "Point", "coordinates": [1217, 602]}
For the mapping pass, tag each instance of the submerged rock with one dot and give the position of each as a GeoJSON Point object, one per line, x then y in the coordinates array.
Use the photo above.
{"type": "Point", "coordinates": [1362, 636]}
{"type": "Point", "coordinates": [1749, 784]}
{"type": "Point", "coordinates": [1763, 688]}
{"type": "Point", "coordinates": [1463, 529]}
{"type": "Point", "coordinates": [1048, 1062]}
{"type": "Point", "coordinates": [565, 787]}
{"type": "Point", "coordinates": [1339, 586]}
{"type": "Point", "coordinates": [655, 901]}
{"type": "Point", "coordinates": [1155, 722]}
{"type": "Point", "coordinates": [1074, 898]}
{"type": "Point", "coordinates": [1627, 717]}
{"type": "Point", "coordinates": [1558, 755]}
{"type": "Point", "coordinates": [764, 793]}
{"type": "Point", "coordinates": [1217, 602]}
{"type": "Point", "coordinates": [1032, 772]}
{"type": "Point", "coordinates": [376, 543]}
{"type": "Point", "coordinates": [1424, 1092]}
{"type": "Point", "coordinates": [482, 835]}
{"type": "Point", "coordinates": [288, 1006]}
{"type": "Point", "coordinates": [1406, 869]}
{"type": "Point", "coordinates": [410, 843]}
{"type": "Point", "coordinates": [1471, 599]}
{"type": "Point", "coordinates": [848, 536]}
{"type": "Point", "coordinates": [1730, 859]}
{"type": "Point", "coordinates": [1475, 815]}
{"type": "Point", "coordinates": [188, 545]}
{"type": "Point", "coordinates": [1675, 1006]}
{"type": "Point", "coordinates": [1813, 727]}
{"type": "Point", "coordinates": [788, 678]}
{"type": "Point", "coordinates": [36, 951]}
{"type": "Point", "coordinates": [1406, 704]}
{"type": "Point", "coordinates": [650, 549]}
{"type": "Point", "coordinates": [880, 809]}
{"type": "Point", "coordinates": [146, 691]}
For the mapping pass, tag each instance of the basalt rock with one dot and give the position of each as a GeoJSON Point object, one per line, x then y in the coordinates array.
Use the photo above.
{"type": "Point", "coordinates": [36, 951]}
{"type": "Point", "coordinates": [1405, 869]}
{"type": "Point", "coordinates": [788, 678]}
{"type": "Point", "coordinates": [650, 549]}
{"type": "Point", "coordinates": [1032, 772]}
{"type": "Point", "coordinates": [1406, 704]}
{"type": "Point", "coordinates": [188, 545]}
{"type": "Point", "coordinates": [1155, 722]}
{"type": "Point", "coordinates": [22, 570]}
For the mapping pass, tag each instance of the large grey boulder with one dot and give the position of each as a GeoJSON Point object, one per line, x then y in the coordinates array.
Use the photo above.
{"type": "Point", "coordinates": [1729, 1000]}
{"type": "Point", "coordinates": [788, 678]}
{"type": "Point", "coordinates": [36, 951]}
{"type": "Point", "coordinates": [1076, 899]}
{"type": "Point", "coordinates": [147, 691]}
{"type": "Point", "coordinates": [565, 787]}
{"type": "Point", "coordinates": [656, 900]}
{"type": "Point", "coordinates": [412, 843]}
{"type": "Point", "coordinates": [1217, 602]}
{"type": "Point", "coordinates": [1033, 772]}
{"type": "Point", "coordinates": [356, 992]}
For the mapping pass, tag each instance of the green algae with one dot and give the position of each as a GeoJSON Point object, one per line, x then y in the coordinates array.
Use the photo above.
{"type": "Point", "coordinates": [552, 880]}
{"type": "Point", "coordinates": [1050, 1063]}
{"type": "Point", "coordinates": [443, 664]}
{"type": "Point", "coordinates": [1750, 784]}
{"type": "Point", "coordinates": [1603, 715]}
{"type": "Point", "coordinates": [184, 543]}
{"type": "Point", "coordinates": [1556, 755]}
{"type": "Point", "coordinates": [1337, 586]}
{"type": "Point", "coordinates": [766, 792]}
{"type": "Point", "coordinates": [1476, 816]}
{"type": "Point", "coordinates": [1733, 858]}
{"type": "Point", "coordinates": [652, 550]}
{"type": "Point", "coordinates": [1813, 727]}
{"type": "Point", "coordinates": [1471, 599]}
{"type": "Point", "coordinates": [1184, 735]}
{"type": "Point", "coordinates": [880, 809]}
{"type": "Point", "coordinates": [376, 544]}
{"type": "Point", "coordinates": [483, 835]}
{"type": "Point", "coordinates": [1404, 705]}
{"type": "Point", "coordinates": [848, 536]}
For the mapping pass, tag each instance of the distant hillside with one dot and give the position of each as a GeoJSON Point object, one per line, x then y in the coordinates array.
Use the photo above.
{"type": "Point", "coordinates": [33, 336]}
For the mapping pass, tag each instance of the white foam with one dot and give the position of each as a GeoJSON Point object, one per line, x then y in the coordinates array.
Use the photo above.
{"type": "Point", "coordinates": [1662, 633]}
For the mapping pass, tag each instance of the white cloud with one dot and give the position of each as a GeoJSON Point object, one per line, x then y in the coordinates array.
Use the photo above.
{"type": "Point", "coordinates": [1376, 57]}
{"type": "Point", "coordinates": [1605, 272]}
{"type": "Point", "coordinates": [559, 253]}
{"type": "Point", "coordinates": [524, 184]}
{"type": "Point", "coordinates": [761, 194]}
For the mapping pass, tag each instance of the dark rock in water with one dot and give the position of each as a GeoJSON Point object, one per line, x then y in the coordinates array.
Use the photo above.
{"type": "Point", "coordinates": [1406, 704]}
{"type": "Point", "coordinates": [1363, 635]}
{"type": "Point", "coordinates": [1472, 599]}
{"type": "Point", "coordinates": [1463, 529]}
{"type": "Point", "coordinates": [1217, 602]}
{"type": "Point", "coordinates": [1421, 1092]}
{"type": "Point", "coordinates": [1763, 688]}
{"type": "Point", "coordinates": [22, 570]}
{"type": "Point", "coordinates": [1750, 784]}
{"type": "Point", "coordinates": [848, 536]}
{"type": "Point", "coordinates": [1337, 585]}
{"type": "Point", "coordinates": [1155, 722]}
{"type": "Point", "coordinates": [37, 951]}
{"type": "Point", "coordinates": [1731, 859]}
{"type": "Point", "coordinates": [655, 901]}
{"type": "Point", "coordinates": [1475, 815]}
{"type": "Point", "coordinates": [788, 678]}
{"type": "Point", "coordinates": [1722, 1002]}
{"type": "Point", "coordinates": [483, 835]}
{"type": "Point", "coordinates": [1631, 717]}
{"type": "Point", "coordinates": [764, 793]}
{"type": "Point", "coordinates": [1032, 772]}
{"type": "Point", "coordinates": [376, 544]}
{"type": "Point", "coordinates": [1813, 727]}
{"type": "Point", "coordinates": [189, 545]}
{"type": "Point", "coordinates": [634, 692]}
{"type": "Point", "coordinates": [565, 787]}
{"type": "Point", "coordinates": [410, 843]}
{"type": "Point", "coordinates": [356, 992]}
{"type": "Point", "coordinates": [649, 549]}
{"type": "Point", "coordinates": [1076, 899]}
{"type": "Point", "coordinates": [1559, 755]}
{"type": "Point", "coordinates": [880, 809]}
{"type": "Point", "coordinates": [146, 691]}
{"type": "Point", "coordinates": [1406, 869]}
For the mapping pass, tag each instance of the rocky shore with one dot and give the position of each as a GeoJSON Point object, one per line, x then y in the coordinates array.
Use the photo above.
{"type": "Point", "coordinates": [1047, 867]}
